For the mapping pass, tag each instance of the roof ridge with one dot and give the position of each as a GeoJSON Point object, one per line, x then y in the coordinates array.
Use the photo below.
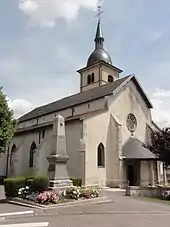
{"type": "Point", "coordinates": [83, 92]}
{"type": "Point", "coordinates": [74, 99]}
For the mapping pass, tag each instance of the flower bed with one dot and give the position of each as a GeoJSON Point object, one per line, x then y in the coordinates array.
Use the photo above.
{"type": "Point", "coordinates": [54, 197]}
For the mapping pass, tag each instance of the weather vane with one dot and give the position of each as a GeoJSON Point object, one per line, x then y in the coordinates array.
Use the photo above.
{"type": "Point", "coordinates": [99, 11]}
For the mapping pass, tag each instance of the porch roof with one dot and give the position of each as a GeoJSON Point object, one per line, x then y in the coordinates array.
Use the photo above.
{"type": "Point", "coordinates": [135, 149]}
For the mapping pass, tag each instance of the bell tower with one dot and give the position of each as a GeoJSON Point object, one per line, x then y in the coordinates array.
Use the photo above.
{"type": "Point", "coordinates": [99, 69]}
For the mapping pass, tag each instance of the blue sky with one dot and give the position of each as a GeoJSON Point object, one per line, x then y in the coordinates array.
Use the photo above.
{"type": "Point", "coordinates": [44, 42]}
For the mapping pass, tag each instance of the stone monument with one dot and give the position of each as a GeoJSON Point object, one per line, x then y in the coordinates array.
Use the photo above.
{"type": "Point", "coordinates": [57, 170]}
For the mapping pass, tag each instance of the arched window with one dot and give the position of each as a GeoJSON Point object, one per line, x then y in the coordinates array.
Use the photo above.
{"type": "Point", "coordinates": [12, 161]}
{"type": "Point", "coordinates": [92, 77]}
{"type": "Point", "coordinates": [13, 151]}
{"type": "Point", "coordinates": [100, 156]}
{"type": "Point", "coordinates": [110, 79]}
{"type": "Point", "coordinates": [89, 79]}
{"type": "Point", "coordinates": [32, 150]}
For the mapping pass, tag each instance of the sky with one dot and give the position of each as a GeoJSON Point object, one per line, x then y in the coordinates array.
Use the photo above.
{"type": "Point", "coordinates": [44, 42]}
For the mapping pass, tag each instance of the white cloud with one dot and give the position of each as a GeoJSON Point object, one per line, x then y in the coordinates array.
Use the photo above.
{"type": "Point", "coordinates": [161, 93]}
{"type": "Point", "coordinates": [20, 106]}
{"type": "Point", "coordinates": [46, 12]}
{"type": "Point", "coordinates": [161, 112]}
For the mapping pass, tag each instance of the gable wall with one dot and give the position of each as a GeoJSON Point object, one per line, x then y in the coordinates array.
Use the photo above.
{"type": "Point", "coordinates": [128, 101]}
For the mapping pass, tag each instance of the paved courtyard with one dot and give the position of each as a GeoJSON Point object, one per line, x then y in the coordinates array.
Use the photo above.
{"type": "Point", "coordinates": [117, 210]}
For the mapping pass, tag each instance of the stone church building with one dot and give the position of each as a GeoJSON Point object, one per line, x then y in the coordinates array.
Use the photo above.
{"type": "Point", "coordinates": [108, 128]}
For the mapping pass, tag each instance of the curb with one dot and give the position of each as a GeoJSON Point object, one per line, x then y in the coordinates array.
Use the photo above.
{"type": "Point", "coordinates": [23, 204]}
{"type": "Point", "coordinates": [39, 206]}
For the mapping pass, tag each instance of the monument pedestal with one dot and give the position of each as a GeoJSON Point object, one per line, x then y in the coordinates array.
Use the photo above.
{"type": "Point", "coordinates": [57, 170]}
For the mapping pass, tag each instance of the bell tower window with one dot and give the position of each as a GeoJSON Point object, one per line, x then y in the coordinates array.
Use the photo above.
{"type": "Point", "coordinates": [110, 79]}
{"type": "Point", "coordinates": [92, 77]}
{"type": "Point", "coordinates": [89, 79]}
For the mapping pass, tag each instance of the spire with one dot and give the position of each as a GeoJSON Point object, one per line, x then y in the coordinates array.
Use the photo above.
{"type": "Point", "coordinates": [99, 39]}
{"type": "Point", "coordinates": [99, 54]}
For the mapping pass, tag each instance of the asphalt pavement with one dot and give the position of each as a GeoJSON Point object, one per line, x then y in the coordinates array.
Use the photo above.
{"type": "Point", "coordinates": [118, 210]}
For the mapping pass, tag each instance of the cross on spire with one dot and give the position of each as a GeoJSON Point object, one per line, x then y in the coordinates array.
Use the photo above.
{"type": "Point", "coordinates": [99, 39]}
{"type": "Point", "coordinates": [99, 11]}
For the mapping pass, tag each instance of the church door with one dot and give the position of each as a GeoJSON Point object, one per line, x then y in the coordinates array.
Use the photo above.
{"type": "Point", "coordinates": [130, 175]}
{"type": "Point", "coordinates": [133, 172]}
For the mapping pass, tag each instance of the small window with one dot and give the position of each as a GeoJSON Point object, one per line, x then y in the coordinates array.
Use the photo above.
{"type": "Point", "coordinates": [88, 105]}
{"type": "Point", "coordinates": [92, 77]}
{"type": "Point", "coordinates": [39, 137]}
{"type": "Point", "coordinates": [43, 133]}
{"type": "Point", "coordinates": [110, 78]}
{"type": "Point", "coordinates": [100, 156]}
{"type": "Point", "coordinates": [13, 152]}
{"type": "Point", "coordinates": [89, 79]}
{"type": "Point", "coordinates": [31, 158]}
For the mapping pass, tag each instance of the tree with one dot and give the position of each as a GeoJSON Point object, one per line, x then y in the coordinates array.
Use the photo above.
{"type": "Point", "coordinates": [160, 145]}
{"type": "Point", "coordinates": [7, 122]}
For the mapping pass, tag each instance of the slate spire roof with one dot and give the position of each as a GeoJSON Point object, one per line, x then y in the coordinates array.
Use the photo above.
{"type": "Point", "coordinates": [99, 39]}
{"type": "Point", "coordinates": [99, 54]}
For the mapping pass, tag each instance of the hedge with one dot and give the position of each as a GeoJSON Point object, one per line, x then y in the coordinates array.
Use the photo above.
{"type": "Point", "coordinates": [12, 185]}
{"type": "Point", "coordinates": [39, 184]}
{"type": "Point", "coordinates": [77, 181]}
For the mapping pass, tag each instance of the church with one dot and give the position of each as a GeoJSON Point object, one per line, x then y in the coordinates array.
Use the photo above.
{"type": "Point", "coordinates": [108, 127]}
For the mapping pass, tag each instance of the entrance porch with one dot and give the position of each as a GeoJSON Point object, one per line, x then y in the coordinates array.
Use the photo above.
{"type": "Point", "coordinates": [140, 172]}
{"type": "Point", "coordinates": [139, 164]}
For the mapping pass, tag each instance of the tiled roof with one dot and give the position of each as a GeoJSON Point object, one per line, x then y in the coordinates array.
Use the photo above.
{"type": "Point", "coordinates": [135, 149]}
{"type": "Point", "coordinates": [74, 100]}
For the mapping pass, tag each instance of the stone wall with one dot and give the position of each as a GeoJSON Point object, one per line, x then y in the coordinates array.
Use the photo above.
{"type": "Point", "coordinates": [151, 192]}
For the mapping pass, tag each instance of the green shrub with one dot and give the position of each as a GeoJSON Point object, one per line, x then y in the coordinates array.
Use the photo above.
{"type": "Point", "coordinates": [30, 183]}
{"type": "Point", "coordinates": [39, 184]}
{"type": "Point", "coordinates": [12, 185]}
{"type": "Point", "coordinates": [29, 178]}
{"type": "Point", "coordinates": [77, 181]}
{"type": "Point", "coordinates": [36, 184]}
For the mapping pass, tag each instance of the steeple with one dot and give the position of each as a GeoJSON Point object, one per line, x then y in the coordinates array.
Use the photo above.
{"type": "Point", "coordinates": [99, 70]}
{"type": "Point", "coordinates": [99, 39]}
{"type": "Point", "coordinates": [99, 54]}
